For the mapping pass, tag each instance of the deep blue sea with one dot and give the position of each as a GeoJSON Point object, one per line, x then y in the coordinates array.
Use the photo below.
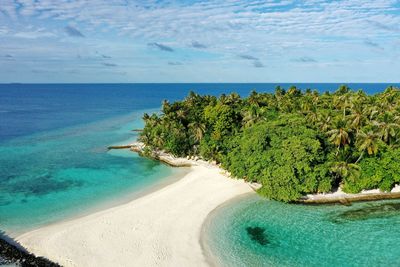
{"type": "Point", "coordinates": [31, 108]}
{"type": "Point", "coordinates": [54, 163]}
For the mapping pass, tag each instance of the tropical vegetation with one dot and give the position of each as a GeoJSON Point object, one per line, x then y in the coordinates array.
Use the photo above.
{"type": "Point", "coordinates": [292, 142]}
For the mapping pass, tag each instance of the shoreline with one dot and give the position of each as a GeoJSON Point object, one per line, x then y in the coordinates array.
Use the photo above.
{"type": "Point", "coordinates": [110, 203]}
{"type": "Point", "coordinates": [347, 198]}
{"type": "Point", "coordinates": [336, 197]}
{"type": "Point", "coordinates": [155, 229]}
{"type": "Point", "coordinates": [211, 258]}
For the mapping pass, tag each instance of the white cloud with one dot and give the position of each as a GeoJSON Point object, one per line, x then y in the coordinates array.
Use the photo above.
{"type": "Point", "coordinates": [275, 32]}
{"type": "Point", "coordinates": [34, 34]}
{"type": "Point", "coordinates": [150, 19]}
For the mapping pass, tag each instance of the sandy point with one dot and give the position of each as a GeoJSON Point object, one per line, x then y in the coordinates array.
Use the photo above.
{"type": "Point", "coordinates": [162, 228]}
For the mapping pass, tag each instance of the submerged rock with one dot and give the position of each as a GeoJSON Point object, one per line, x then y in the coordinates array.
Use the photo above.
{"type": "Point", "coordinates": [12, 254]}
{"type": "Point", "coordinates": [258, 235]}
{"type": "Point", "coordinates": [371, 211]}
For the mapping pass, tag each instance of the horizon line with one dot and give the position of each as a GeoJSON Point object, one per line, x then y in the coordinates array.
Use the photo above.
{"type": "Point", "coordinates": [72, 83]}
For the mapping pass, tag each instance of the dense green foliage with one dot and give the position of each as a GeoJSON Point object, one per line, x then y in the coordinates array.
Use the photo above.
{"type": "Point", "coordinates": [291, 142]}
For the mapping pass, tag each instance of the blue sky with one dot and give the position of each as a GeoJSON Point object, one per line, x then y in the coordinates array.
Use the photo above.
{"type": "Point", "coordinates": [199, 41]}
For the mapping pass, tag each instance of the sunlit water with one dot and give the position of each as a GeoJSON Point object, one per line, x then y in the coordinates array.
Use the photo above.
{"type": "Point", "coordinates": [250, 231]}
{"type": "Point", "coordinates": [54, 166]}
{"type": "Point", "coordinates": [58, 174]}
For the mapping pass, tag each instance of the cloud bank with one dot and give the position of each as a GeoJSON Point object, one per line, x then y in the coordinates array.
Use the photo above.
{"type": "Point", "coordinates": [247, 39]}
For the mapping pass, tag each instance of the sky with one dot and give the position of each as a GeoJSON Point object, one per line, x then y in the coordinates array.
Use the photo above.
{"type": "Point", "coordinates": [107, 41]}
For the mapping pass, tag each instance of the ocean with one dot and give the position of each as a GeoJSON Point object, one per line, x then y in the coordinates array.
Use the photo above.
{"type": "Point", "coordinates": [251, 231]}
{"type": "Point", "coordinates": [31, 108]}
{"type": "Point", "coordinates": [54, 164]}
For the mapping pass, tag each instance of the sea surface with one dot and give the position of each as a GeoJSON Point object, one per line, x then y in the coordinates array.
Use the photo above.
{"type": "Point", "coordinates": [54, 164]}
{"type": "Point", "coordinates": [251, 231]}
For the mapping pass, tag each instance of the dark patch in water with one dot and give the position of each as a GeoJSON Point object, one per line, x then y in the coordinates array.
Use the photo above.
{"type": "Point", "coordinates": [42, 185]}
{"type": "Point", "coordinates": [8, 177]}
{"type": "Point", "coordinates": [3, 201]}
{"type": "Point", "coordinates": [371, 211]}
{"type": "Point", "coordinates": [258, 235]}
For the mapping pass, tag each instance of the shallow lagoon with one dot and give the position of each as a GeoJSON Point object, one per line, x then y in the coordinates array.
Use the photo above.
{"type": "Point", "coordinates": [56, 175]}
{"type": "Point", "coordinates": [250, 231]}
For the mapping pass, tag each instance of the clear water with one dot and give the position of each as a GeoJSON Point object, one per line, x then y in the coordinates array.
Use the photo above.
{"type": "Point", "coordinates": [50, 176]}
{"type": "Point", "coordinates": [53, 137]}
{"type": "Point", "coordinates": [32, 108]}
{"type": "Point", "coordinates": [250, 231]}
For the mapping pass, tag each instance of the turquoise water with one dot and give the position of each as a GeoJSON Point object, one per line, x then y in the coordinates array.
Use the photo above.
{"type": "Point", "coordinates": [57, 174]}
{"type": "Point", "coordinates": [250, 231]}
{"type": "Point", "coordinates": [54, 165]}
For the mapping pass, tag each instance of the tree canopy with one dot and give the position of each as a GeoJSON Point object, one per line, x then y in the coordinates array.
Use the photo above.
{"type": "Point", "coordinates": [291, 142]}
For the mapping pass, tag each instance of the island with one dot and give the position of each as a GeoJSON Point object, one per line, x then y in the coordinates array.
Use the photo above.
{"type": "Point", "coordinates": [292, 143]}
{"type": "Point", "coordinates": [287, 146]}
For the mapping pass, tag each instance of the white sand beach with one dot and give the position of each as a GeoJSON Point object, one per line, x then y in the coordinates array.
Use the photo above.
{"type": "Point", "coordinates": [162, 228]}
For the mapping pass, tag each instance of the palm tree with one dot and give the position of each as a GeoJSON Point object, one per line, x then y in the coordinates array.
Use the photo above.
{"type": "Point", "coordinates": [181, 114]}
{"type": "Point", "coordinates": [279, 92]}
{"type": "Point", "coordinates": [252, 115]}
{"type": "Point", "coordinates": [343, 89]}
{"type": "Point", "coordinates": [367, 142]}
{"type": "Point", "coordinates": [324, 121]}
{"type": "Point", "coordinates": [389, 98]}
{"type": "Point", "coordinates": [166, 107]}
{"type": "Point", "coordinates": [342, 102]}
{"type": "Point", "coordinates": [146, 116]}
{"type": "Point", "coordinates": [294, 91]}
{"type": "Point", "coordinates": [371, 112]}
{"type": "Point", "coordinates": [254, 99]}
{"type": "Point", "coordinates": [158, 141]}
{"type": "Point", "coordinates": [313, 117]}
{"type": "Point", "coordinates": [388, 129]}
{"type": "Point", "coordinates": [191, 99]}
{"type": "Point", "coordinates": [233, 98]}
{"type": "Point", "coordinates": [357, 116]}
{"type": "Point", "coordinates": [339, 135]}
{"type": "Point", "coordinates": [198, 129]}
{"type": "Point", "coordinates": [306, 104]}
{"type": "Point", "coordinates": [315, 98]}
{"type": "Point", "coordinates": [348, 171]}
{"type": "Point", "coordinates": [151, 121]}
{"type": "Point", "coordinates": [359, 97]}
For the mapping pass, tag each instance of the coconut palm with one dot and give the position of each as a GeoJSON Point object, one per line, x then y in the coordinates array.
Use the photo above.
{"type": "Point", "coordinates": [315, 98]}
{"type": "Point", "coordinates": [389, 98]}
{"type": "Point", "coordinates": [181, 114]}
{"type": "Point", "coordinates": [324, 121]}
{"type": "Point", "coordinates": [251, 116]}
{"type": "Point", "coordinates": [313, 117]}
{"type": "Point", "coordinates": [306, 104]}
{"type": "Point", "coordinates": [342, 102]}
{"type": "Point", "coordinates": [146, 116]}
{"type": "Point", "coordinates": [345, 170]}
{"type": "Point", "coordinates": [233, 98]}
{"type": "Point", "coordinates": [254, 99]}
{"type": "Point", "coordinates": [158, 141]}
{"type": "Point", "coordinates": [357, 116]}
{"type": "Point", "coordinates": [166, 107]}
{"type": "Point", "coordinates": [367, 142]}
{"type": "Point", "coordinates": [339, 135]}
{"type": "Point", "coordinates": [387, 128]}
{"type": "Point", "coordinates": [198, 129]}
